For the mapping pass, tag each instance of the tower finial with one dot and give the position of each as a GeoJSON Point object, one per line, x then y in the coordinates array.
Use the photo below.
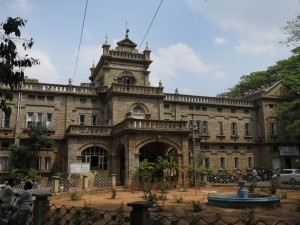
{"type": "Point", "coordinates": [106, 39]}
{"type": "Point", "coordinates": [127, 31]}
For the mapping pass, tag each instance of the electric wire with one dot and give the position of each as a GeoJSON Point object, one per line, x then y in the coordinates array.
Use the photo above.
{"type": "Point", "coordinates": [86, 4]}
{"type": "Point", "coordinates": [151, 23]}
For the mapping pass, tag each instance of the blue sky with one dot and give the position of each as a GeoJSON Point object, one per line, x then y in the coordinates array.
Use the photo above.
{"type": "Point", "coordinates": [201, 47]}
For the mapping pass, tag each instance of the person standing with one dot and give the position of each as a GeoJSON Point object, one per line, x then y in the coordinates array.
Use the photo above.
{"type": "Point", "coordinates": [24, 204]}
{"type": "Point", "coordinates": [7, 196]}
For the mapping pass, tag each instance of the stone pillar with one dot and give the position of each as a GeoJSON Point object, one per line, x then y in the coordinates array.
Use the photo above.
{"type": "Point", "coordinates": [40, 208]}
{"type": "Point", "coordinates": [85, 182]}
{"type": "Point", "coordinates": [55, 184]}
{"type": "Point", "coordinates": [113, 180]}
{"type": "Point", "coordinates": [139, 214]}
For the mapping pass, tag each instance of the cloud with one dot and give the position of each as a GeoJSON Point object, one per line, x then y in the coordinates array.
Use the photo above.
{"type": "Point", "coordinates": [88, 55]}
{"type": "Point", "coordinates": [178, 62]}
{"type": "Point", "coordinates": [251, 48]}
{"type": "Point", "coordinates": [21, 6]}
{"type": "Point", "coordinates": [45, 72]}
{"type": "Point", "coordinates": [219, 40]}
{"type": "Point", "coordinates": [253, 21]}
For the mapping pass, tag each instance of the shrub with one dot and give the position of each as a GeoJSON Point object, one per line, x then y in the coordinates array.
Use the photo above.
{"type": "Point", "coordinates": [75, 195]}
{"type": "Point", "coordinates": [178, 198]}
{"type": "Point", "coordinates": [197, 206]}
{"type": "Point", "coordinates": [113, 193]}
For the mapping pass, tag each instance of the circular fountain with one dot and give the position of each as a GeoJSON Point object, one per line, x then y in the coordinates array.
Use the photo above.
{"type": "Point", "coordinates": [242, 199]}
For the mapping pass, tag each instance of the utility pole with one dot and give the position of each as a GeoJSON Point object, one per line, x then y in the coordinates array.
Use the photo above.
{"type": "Point", "coordinates": [194, 155]}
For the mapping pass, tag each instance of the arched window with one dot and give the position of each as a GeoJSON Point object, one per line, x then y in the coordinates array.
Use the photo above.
{"type": "Point", "coordinates": [127, 78]}
{"type": "Point", "coordinates": [138, 112]}
{"type": "Point", "coordinates": [96, 157]}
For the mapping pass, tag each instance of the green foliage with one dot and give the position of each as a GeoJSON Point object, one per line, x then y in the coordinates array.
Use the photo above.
{"type": "Point", "coordinates": [178, 198]}
{"type": "Point", "coordinates": [38, 136]}
{"type": "Point", "coordinates": [18, 156]}
{"type": "Point", "coordinates": [273, 186]}
{"type": "Point", "coordinates": [75, 195]}
{"type": "Point", "coordinates": [288, 71]}
{"type": "Point", "coordinates": [113, 193]}
{"type": "Point", "coordinates": [197, 206]}
{"type": "Point", "coordinates": [252, 186]}
{"type": "Point", "coordinates": [292, 32]}
{"type": "Point", "coordinates": [86, 215]}
{"type": "Point", "coordinates": [12, 64]}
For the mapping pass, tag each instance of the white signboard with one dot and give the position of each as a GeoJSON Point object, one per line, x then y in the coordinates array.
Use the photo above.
{"type": "Point", "coordinates": [79, 168]}
{"type": "Point", "coordinates": [289, 151]}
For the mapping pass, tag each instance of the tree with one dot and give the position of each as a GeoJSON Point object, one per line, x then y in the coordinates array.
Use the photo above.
{"type": "Point", "coordinates": [292, 29]}
{"type": "Point", "coordinates": [287, 70]}
{"type": "Point", "coordinates": [18, 156]}
{"type": "Point", "coordinates": [38, 136]}
{"type": "Point", "coordinates": [12, 65]}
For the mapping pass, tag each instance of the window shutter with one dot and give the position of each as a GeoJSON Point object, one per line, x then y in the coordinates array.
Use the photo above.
{"type": "Point", "coordinates": [26, 120]}
{"type": "Point", "coordinates": [3, 119]}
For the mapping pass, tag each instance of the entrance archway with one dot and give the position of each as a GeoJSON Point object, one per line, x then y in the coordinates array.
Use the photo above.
{"type": "Point", "coordinates": [165, 158]}
{"type": "Point", "coordinates": [120, 169]}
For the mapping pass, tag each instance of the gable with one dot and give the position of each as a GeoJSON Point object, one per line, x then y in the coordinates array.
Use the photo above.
{"type": "Point", "coordinates": [279, 89]}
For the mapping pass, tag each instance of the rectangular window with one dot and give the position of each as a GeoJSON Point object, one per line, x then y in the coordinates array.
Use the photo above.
{"type": "Point", "coordinates": [4, 163]}
{"type": "Point", "coordinates": [49, 120]}
{"type": "Point", "coordinates": [246, 111]}
{"type": "Point", "coordinates": [219, 109]}
{"type": "Point", "coordinates": [166, 106]}
{"type": "Point", "coordinates": [234, 128]}
{"type": "Point", "coordinates": [222, 147]}
{"type": "Point", "coordinates": [94, 101]}
{"type": "Point", "coordinates": [222, 162]}
{"type": "Point", "coordinates": [250, 162]}
{"type": "Point", "coordinates": [235, 147]}
{"type": "Point", "coordinates": [4, 145]}
{"type": "Point", "coordinates": [94, 120]}
{"type": "Point", "coordinates": [82, 101]}
{"type": "Point", "coordinates": [220, 129]}
{"type": "Point", "coordinates": [198, 108]}
{"type": "Point", "coordinates": [273, 129]}
{"type": "Point", "coordinates": [5, 120]}
{"type": "Point", "coordinates": [259, 130]}
{"type": "Point", "coordinates": [205, 127]}
{"type": "Point", "coordinates": [38, 163]}
{"type": "Point", "coordinates": [41, 98]}
{"type": "Point", "coordinates": [204, 109]}
{"type": "Point", "coordinates": [194, 124]}
{"type": "Point", "coordinates": [82, 120]}
{"type": "Point", "coordinates": [205, 147]}
{"type": "Point", "coordinates": [233, 110]}
{"type": "Point", "coordinates": [50, 98]}
{"type": "Point", "coordinates": [247, 129]}
{"type": "Point", "coordinates": [29, 119]}
{"type": "Point", "coordinates": [47, 165]}
{"type": "Point", "coordinates": [191, 107]}
{"type": "Point", "coordinates": [236, 162]}
{"type": "Point", "coordinates": [207, 162]}
{"type": "Point", "coordinates": [31, 97]}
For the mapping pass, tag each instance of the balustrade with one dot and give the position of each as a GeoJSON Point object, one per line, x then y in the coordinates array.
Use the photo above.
{"type": "Point", "coordinates": [208, 100]}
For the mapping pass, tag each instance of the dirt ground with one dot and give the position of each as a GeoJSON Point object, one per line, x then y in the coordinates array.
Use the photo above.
{"type": "Point", "coordinates": [289, 205]}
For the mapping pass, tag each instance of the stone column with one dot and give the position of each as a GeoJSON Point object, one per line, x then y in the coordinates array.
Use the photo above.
{"type": "Point", "coordinates": [40, 208]}
{"type": "Point", "coordinates": [85, 182]}
{"type": "Point", "coordinates": [113, 180]}
{"type": "Point", "coordinates": [139, 214]}
{"type": "Point", "coordinates": [55, 184]}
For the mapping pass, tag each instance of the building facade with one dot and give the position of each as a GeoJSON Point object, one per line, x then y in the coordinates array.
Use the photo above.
{"type": "Point", "coordinates": [118, 120]}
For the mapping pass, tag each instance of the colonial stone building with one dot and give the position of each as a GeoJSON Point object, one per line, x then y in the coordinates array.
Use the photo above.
{"type": "Point", "coordinates": [119, 119]}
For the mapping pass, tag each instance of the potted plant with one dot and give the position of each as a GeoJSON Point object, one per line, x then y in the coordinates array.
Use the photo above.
{"type": "Point", "coordinates": [273, 186]}
{"type": "Point", "coordinates": [252, 186]}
